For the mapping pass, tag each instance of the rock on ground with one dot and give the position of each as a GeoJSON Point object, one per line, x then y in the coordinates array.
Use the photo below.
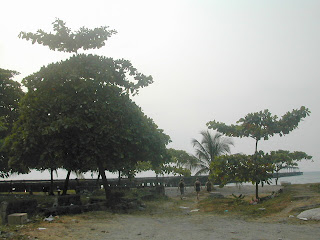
{"type": "Point", "coordinates": [311, 214]}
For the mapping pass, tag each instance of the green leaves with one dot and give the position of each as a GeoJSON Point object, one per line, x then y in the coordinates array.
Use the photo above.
{"type": "Point", "coordinates": [10, 95]}
{"type": "Point", "coordinates": [257, 168]}
{"type": "Point", "coordinates": [241, 168]}
{"type": "Point", "coordinates": [262, 125]}
{"type": "Point", "coordinates": [80, 69]}
{"type": "Point", "coordinates": [83, 120]}
{"type": "Point", "coordinates": [290, 120]}
{"type": "Point", "coordinates": [64, 40]}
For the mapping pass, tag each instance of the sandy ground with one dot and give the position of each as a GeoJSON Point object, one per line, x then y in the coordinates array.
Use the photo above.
{"type": "Point", "coordinates": [181, 224]}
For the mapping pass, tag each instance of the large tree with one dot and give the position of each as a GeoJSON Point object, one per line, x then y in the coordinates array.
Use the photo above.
{"type": "Point", "coordinates": [77, 113]}
{"type": "Point", "coordinates": [10, 95]}
{"type": "Point", "coordinates": [260, 126]}
{"type": "Point", "coordinates": [3, 162]}
{"type": "Point", "coordinates": [210, 147]}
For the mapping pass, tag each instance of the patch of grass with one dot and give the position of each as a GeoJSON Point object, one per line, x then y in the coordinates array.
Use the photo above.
{"type": "Point", "coordinates": [244, 208]}
{"type": "Point", "coordinates": [315, 187]}
{"type": "Point", "coordinates": [143, 194]}
{"type": "Point", "coordinates": [136, 193]}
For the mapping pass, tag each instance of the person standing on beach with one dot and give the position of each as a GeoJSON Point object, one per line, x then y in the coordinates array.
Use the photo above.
{"type": "Point", "coordinates": [209, 185]}
{"type": "Point", "coordinates": [197, 186]}
{"type": "Point", "coordinates": [182, 187]}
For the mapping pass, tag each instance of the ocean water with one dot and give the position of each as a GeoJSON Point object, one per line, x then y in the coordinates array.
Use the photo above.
{"type": "Point", "coordinates": [307, 177]}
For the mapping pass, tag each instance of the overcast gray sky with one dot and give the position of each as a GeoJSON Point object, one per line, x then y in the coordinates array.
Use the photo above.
{"type": "Point", "coordinates": [209, 59]}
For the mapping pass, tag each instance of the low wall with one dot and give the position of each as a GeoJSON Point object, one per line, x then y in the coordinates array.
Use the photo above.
{"type": "Point", "coordinates": [89, 184]}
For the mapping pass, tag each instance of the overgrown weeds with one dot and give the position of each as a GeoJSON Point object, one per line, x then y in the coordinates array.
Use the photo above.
{"type": "Point", "coordinates": [315, 187]}
{"type": "Point", "coordinates": [240, 205]}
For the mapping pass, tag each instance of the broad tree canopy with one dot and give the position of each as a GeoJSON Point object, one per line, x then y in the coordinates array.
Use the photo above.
{"type": "Point", "coordinates": [65, 40]}
{"type": "Point", "coordinates": [262, 125]}
{"type": "Point", "coordinates": [75, 116]}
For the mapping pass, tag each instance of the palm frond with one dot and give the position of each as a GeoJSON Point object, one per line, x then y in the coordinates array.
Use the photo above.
{"type": "Point", "coordinates": [201, 151]}
{"type": "Point", "coordinates": [210, 147]}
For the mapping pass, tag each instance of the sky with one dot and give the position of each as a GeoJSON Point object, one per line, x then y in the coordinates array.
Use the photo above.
{"type": "Point", "coordinates": [210, 60]}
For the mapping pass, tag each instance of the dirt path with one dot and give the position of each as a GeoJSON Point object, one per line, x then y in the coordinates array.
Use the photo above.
{"type": "Point", "coordinates": [171, 221]}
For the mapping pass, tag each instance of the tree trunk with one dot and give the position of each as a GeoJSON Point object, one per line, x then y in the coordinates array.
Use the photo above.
{"type": "Point", "coordinates": [51, 183]}
{"type": "Point", "coordinates": [257, 181]}
{"type": "Point", "coordinates": [66, 183]}
{"type": "Point", "coordinates": [98, 178]}
{"type": "Point", "coordinates": [104, 180]}
{"type": "Point", "coordinates": [119, 178]}
{"type": "Point", "coordinates": [277, 177]}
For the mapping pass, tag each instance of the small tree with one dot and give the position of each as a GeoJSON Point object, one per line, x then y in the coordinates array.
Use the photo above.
{"type": "Point", "coordinates": [257, 168]}
{"type": "Point", "coordinates": [242, 168]}
{"type": "Point", "coordinates": [282, 159]}
{"type": "Point", "coordinates": [262, 125]}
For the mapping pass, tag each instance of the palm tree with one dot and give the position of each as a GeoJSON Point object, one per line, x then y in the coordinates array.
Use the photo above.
{"type": "Point", "coordinates": [211, 146]}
